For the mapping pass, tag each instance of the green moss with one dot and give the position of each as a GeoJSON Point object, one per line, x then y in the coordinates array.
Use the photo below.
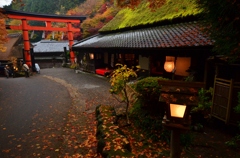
{"type": "Point", "coordinates": [142, 15]}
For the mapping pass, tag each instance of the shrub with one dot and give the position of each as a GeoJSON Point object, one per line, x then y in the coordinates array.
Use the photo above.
{"type": "Point", "coordinates": [119, 79]}
{"type": "Point", "coordinates": [149, 89]}
{"type": "Point", "coordinates": [234, 142]}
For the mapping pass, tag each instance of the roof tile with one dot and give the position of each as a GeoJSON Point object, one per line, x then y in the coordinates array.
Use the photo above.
{"type": "Point", "coordinates": [177, 35]}
{"type": "Point", "coordinates": [46, 46]}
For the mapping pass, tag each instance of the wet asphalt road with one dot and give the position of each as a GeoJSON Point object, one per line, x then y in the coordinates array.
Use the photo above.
{"type": "Point", "coordinates": [35, 109]}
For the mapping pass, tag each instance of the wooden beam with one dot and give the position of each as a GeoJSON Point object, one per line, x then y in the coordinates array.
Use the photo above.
{"type": "Point", "coordinates": [35, 18]}
{"type": "Point", "coordinates": [41, 28]}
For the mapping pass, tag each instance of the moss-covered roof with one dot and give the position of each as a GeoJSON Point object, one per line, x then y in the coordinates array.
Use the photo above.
{"type": "Point", "coordinates": [143, 16]}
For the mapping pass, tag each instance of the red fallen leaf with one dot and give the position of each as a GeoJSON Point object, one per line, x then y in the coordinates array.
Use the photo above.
{"type": "Point", "coordinates": [75, 147]}
{"type": "Point", "coordinates": [44, 147]}
{"type": "Point", "coordinates": [6, 151]}
{"type": "Point", "coordinates": [140, 143]}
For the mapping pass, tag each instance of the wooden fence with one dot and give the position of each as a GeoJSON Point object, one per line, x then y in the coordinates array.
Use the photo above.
{"type": "Point", "coordinates": [225, 99]}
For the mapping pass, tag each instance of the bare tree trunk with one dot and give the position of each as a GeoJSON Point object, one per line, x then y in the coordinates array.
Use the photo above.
{"type": "Point", "coordinates": [127, 102]}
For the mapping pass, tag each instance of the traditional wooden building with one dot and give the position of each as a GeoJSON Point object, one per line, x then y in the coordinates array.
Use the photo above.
{"type": "Point", "coordinates": [50, 53]}
{"type": "Point", "coordinates": [13, 52]}
{"type": "Point", "coordinates": [14, 48]}
{"type": "Point", "coordinates": [182, 44]}
{"type": "Point", "coordinates": [165, 43]}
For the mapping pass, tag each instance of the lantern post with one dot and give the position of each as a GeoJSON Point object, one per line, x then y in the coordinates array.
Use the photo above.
{"type": "Point", "coordinates": [179, 97]}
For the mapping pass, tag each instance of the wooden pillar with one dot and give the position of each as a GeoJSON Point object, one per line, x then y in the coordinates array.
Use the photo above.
{"type": "Point", "coordinates": [175, 144]}
{"type": "Point", "coordinates": [27, 54]}
{"type": "Point", "coordinates": [70, 38]}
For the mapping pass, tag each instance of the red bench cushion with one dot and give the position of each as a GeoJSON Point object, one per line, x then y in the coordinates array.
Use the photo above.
{"type": "Point", "coordinates": [102, 71]}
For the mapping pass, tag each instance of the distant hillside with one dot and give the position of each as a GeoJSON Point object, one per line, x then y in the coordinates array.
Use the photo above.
{"type": "Point", "coordinates": [172, 10]}
{"type": "Point", "coordinates": [45, 6]}
{"type": "Point", "coordinates": [99, 13]}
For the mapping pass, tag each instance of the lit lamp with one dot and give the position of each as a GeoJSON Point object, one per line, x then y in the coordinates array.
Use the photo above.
{"type": "Point", "coordinates": [169, 64]}
{"type": "Point", "coordinates": [91, 55]}
{"type": "Point", "coordinates": [178, 114]}
{"type": "Point", "coordinates": [177, 120]}
{"type": "Point", "coordinates": [178, 97]}
{"type": "Point", "coordinates": [177, 110]}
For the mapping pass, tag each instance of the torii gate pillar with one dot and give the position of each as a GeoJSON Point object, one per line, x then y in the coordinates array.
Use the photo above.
{"type": "Point", "coordinates": [70, 38]}
{"type": "Point", "coordinates": [26, 43]}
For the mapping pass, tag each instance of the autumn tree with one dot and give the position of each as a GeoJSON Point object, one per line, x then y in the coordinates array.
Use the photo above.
{"type": "Point", "coordinates": [119, 80]}
{"type": "Point", "coordinates": [3, 32]}
{"type": "Point", "coordinates": [99, 13]}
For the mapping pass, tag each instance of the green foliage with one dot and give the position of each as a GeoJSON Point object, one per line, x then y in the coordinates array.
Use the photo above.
{"type": "Point", "coordinates": [73, 66]}
{"type": "Point", "coordinates": [237, 108]}
{"type": "Point", "coordinates": [150, 125]}
{"type": "Point", "coordinates": [233, 143]}
{"type": "Point", "coordinates": [149, 89]}
{"type": "Point", "coordinates": [40, 6]}
{"type": "Point", "coordinates": [204, 100]}
{"type": "Point", "coordinates": [142, 15]}
{"type": "Point", "coordinates": [222, 23]}
{"type": "Point", "coordinates": [120, 77]}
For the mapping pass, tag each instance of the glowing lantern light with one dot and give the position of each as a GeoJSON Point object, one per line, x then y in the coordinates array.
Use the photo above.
{"type": "Point", "coordinates": [169, 64]}
{"type": "Point", "coordinates": [177, 110]}
{"type": "Point", "coordinates": [91, 55]}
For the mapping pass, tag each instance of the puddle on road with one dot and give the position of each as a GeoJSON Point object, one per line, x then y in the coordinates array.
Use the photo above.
{"type": "Point", "coordinates": [90, 86]}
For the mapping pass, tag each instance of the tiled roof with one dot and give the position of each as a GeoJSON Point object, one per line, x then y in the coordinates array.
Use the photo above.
{"type": "Point", "coordinates": [168, 36]}
{"type": "Point", "coordinates": [46, 46]}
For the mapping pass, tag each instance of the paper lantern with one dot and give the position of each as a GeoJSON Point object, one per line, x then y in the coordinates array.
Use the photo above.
{"type": "Point", "coordinates": [169, 64]}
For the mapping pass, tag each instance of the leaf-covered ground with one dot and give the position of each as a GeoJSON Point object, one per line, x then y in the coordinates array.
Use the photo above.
{"type": "Point", "coordinates": [75, 136]}
{"type": "Point", "coordinates": [79, 135]}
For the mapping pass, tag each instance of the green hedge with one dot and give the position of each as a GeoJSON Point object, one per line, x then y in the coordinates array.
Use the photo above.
{"type": "Point", "coordinates": [149, 89]}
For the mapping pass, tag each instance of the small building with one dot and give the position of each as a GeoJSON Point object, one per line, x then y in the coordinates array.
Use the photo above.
{"type": "Point", "coordinates": [14, 48]}
{"type": "Point", "coordinates": [13, 53]}
{"type": "Point", "coordinates": [50, 53]}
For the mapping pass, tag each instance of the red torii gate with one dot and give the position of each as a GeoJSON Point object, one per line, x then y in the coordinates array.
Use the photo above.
{"type": "Point", "coordinates": [25, 17]}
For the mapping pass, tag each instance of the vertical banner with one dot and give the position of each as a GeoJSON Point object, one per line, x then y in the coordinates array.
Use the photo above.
{"type": "Point", "coordinates": [43, 35]}
{"type": "Point", "coordinates": [32, 34]}
{"type": "Point", "coordinates": [53, 35]}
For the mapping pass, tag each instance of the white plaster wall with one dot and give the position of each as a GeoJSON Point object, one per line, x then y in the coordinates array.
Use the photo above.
{"type": "Point", "coordinates": [144, 62]}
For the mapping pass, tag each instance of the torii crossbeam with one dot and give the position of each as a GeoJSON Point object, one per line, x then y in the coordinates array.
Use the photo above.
{"type": "Point", "coordinates": [25, 17]}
